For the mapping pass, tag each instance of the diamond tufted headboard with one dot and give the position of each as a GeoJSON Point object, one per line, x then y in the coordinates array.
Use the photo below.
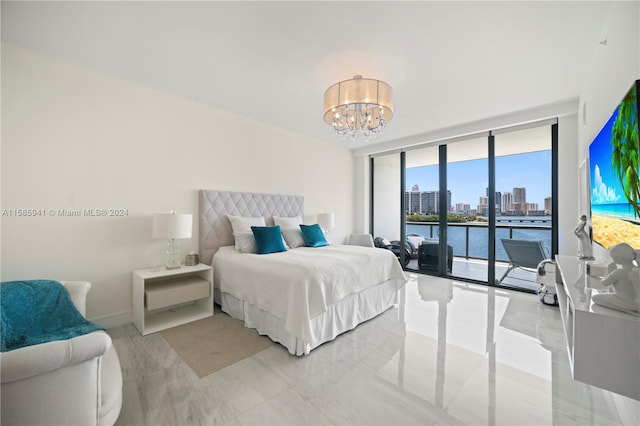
{"type": "Point", "coordinates": [215, 228]}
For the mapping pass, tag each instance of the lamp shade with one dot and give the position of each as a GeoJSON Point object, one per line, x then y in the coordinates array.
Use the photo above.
{"type": "Point", "coordinates": [326, 220]}
{"type": "Point", "coordinates": [355, 93]}
{"type": "Point", "coordinates": [168, 226]}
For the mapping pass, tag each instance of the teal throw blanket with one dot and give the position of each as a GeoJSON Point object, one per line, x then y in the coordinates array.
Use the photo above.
{"type": "Point", "coordinates": [38, 311]}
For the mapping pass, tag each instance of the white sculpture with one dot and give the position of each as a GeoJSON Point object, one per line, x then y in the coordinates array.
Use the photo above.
{"type": "Point", "coordinates": [624, 279]}
{"type": "Point", "coordinates": [586, 249]}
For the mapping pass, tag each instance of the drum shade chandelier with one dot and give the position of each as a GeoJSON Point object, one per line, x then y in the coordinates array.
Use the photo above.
{"type": "Point", "coordinates": [358, 106]}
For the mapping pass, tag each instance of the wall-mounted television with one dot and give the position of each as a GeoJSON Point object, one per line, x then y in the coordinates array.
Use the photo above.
{"type": "Point", "coordinates": [614, 179]}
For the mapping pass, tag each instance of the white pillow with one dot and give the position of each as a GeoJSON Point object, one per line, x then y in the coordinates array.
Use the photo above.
{"type": "Point", "coordinates": [288, 222]}
{"type": "Point", "coordinates": [293, 238]}
{"type": "Point", "coordinates": [243, 224]}
{"type": "Point", "coordinates": [245, 242]}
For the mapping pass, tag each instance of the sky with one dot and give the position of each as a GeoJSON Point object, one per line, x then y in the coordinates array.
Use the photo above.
{"type": "Point", "coordinates": [468, 180]}
{"type": "Point", "coordinates": [605, 186]}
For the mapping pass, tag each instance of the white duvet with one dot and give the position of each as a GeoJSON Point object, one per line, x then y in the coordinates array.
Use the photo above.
{"type": "Point", "coordinates": [299, 284]}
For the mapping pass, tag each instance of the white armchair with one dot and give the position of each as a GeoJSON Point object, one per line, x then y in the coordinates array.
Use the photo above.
{"type": "Point", "coordinates": [68, 382]}
{"type": "Point", "coordinates": [365, 240]}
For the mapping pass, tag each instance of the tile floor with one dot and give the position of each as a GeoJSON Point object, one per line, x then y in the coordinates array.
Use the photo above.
{"type": "Point", "coordinates": [449, 353]}
{"type": "Point", "coordinates": [476, 269]}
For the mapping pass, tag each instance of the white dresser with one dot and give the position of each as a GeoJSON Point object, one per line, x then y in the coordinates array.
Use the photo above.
{"type": "Point", "coordinates": [603, 344]}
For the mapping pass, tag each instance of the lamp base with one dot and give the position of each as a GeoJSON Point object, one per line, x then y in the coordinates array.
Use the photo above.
{"type": "Point", "coordinates": [173, 254]}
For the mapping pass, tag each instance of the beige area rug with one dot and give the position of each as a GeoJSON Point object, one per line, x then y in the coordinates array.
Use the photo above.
{"type": "Point", "coordinates": [212, 343]}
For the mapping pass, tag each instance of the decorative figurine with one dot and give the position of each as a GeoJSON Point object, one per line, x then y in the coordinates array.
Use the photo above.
{"type": "Point", "coordinates": [624, 278]}
{"type": "Point", "coordinates": [585, 251]}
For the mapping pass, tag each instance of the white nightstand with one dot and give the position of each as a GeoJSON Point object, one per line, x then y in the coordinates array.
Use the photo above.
{"type": "Point", "coordinates": [164, 298]}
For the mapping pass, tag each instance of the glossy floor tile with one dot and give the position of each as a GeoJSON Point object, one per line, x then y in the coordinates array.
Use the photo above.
{"type": "Point", "coordinates": [477, 269]}
{"type": "Point", "coordinates": [449, 353]}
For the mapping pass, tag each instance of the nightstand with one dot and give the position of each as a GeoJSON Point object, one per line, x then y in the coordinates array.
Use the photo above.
{"type": "Point", "coordinates": [164, 298]}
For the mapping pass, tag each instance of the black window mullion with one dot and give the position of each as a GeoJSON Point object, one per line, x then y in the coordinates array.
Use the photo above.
{"type": "Point", "coordinates": [442, 209]}
{"type": "Point", "coordinates": [403, 216]}
{"type": "Point", "coordinates": [554, 190]}
{"type": "Point", "coordinates": [491, 261]}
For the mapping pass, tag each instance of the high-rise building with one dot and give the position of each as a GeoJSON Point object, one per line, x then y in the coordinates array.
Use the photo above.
{"type": "Point", "coordinates": [424, 202]}
{"type": "Point", "coordinates": [520, 195]}
{"type": "Point", "coordinates": [547, 205]}
{"type": "Point", "coordinates": [430, 201]}
{"type": "Point", "coordinates": [463, 208]}
{"type": "Point", "coordinates": [498, 200]}
{"type": "Point", "coordinates": [483, 206]}
{"type": "Point", "coordinates": [412, 202]}
{"type": "Point", "coordinates": [507, 199]}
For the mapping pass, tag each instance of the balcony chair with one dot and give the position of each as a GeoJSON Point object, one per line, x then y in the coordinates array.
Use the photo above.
{"type": "Point", "coordinates": [429, 256]}
{"type": "Point", "coordinates": [522, 254]}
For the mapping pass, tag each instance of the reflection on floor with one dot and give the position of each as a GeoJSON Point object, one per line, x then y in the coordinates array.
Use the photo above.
{"type": "Point", "coordinates": [476, 269]}
{"type": "Point", "coordinates": [448, 353]}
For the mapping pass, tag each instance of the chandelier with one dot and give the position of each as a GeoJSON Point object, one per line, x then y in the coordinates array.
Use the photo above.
{"type": "Point", "coordinates": [358, 106]}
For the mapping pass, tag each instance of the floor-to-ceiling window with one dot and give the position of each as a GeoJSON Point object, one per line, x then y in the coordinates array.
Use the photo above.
{"type": "Point", "coordinates": [422, 207]}
{"type": "Point", "coordinates": [461, 198]}
{"type": "Point", "coordinates": [523, 182]}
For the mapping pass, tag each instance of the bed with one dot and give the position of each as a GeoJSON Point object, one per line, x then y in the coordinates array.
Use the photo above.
{"type": "Point", "coordinates": [301, 297]}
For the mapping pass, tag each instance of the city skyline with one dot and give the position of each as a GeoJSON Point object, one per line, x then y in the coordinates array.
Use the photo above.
{"type": "Point", "coordinates": [468, 180]}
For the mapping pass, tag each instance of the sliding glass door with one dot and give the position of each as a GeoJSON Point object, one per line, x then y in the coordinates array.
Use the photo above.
{"type": "Point", "coordinates": [461, 199]}
{"type": "Point", "coordinates": [468, 218]}
{"type": "Point", "coordinates": [445, 213]}
{"type": "Point", "coordinates": [523, 168]}
{"type": "Point", "coordinates": [422, 209]}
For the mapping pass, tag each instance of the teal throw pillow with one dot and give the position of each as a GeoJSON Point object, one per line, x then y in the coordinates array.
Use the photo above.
{"type": "Point", "coordinates": [313, 236]}
{"type": "Point", "coordinates": [268, 239]}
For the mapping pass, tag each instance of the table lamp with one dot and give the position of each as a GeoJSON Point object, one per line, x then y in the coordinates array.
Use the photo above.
{"type": "Point", "coordinates": [172, 227]}
{"type": "Point", "coordinates": [326, 221]}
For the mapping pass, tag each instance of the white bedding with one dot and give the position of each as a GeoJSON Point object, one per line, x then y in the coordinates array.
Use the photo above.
{"type": "Point", "coordinates": [298, 285]}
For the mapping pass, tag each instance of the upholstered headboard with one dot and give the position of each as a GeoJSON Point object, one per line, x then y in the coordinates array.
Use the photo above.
{"type": "Point", "coordinates": [215, 227]}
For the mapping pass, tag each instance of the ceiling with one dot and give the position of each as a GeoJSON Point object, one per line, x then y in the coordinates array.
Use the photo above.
{"type": "Point", "coordinates": [448, 62]}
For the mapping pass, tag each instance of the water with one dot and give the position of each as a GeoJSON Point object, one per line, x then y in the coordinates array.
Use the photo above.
{"type": "Point", "coordinates": [478, 237]}
{"type": "Point", "coordinates": [622, 211]}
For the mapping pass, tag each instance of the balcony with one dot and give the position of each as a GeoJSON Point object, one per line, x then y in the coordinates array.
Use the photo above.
{"type": "Point", "coordinates": [470, 247]}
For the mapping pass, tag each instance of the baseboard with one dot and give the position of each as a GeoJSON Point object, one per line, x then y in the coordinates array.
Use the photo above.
{"type": "Point", "coordinates": [113, 320]}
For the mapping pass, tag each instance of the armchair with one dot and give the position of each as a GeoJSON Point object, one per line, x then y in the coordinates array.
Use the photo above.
{"type": "Point", "coordinates": [365, 240]}
{"type": "Point", "coordinates": [66, 382]}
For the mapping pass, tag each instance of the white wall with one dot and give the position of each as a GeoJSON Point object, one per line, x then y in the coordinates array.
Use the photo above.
{"type": "Point", "coordinates": [568, 211]}
{"type": "Point", "coordinates": [75, 138]}
{"type": "Point", "coordinates": [362, 192]}
{"type": "Point", "coordinates": [386, 222]}
{"type": "Point", "coordinates": [616, 65]}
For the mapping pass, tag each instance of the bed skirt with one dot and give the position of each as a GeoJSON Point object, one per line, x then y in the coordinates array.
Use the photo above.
{"type": "Point", "coordinates": [340, 317]}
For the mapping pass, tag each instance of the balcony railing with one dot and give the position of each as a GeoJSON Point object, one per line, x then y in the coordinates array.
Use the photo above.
{"type": "Point", "coordinates": [470, 239]}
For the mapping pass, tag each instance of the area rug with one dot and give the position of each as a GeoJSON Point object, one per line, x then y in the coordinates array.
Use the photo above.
{"type": "Point", "coordinates": [212, 343]}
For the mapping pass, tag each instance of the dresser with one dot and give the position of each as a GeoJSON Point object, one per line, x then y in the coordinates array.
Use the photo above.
{"type": "Point", "coordinates": [603, 344]}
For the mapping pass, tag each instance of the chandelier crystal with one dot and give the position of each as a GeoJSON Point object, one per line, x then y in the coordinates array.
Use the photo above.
{"type": "Point", "coordinates": [358, 106]}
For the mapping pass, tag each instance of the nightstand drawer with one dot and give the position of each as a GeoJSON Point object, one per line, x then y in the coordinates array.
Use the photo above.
{"type": "Point", "coordinates": [175, 290]}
